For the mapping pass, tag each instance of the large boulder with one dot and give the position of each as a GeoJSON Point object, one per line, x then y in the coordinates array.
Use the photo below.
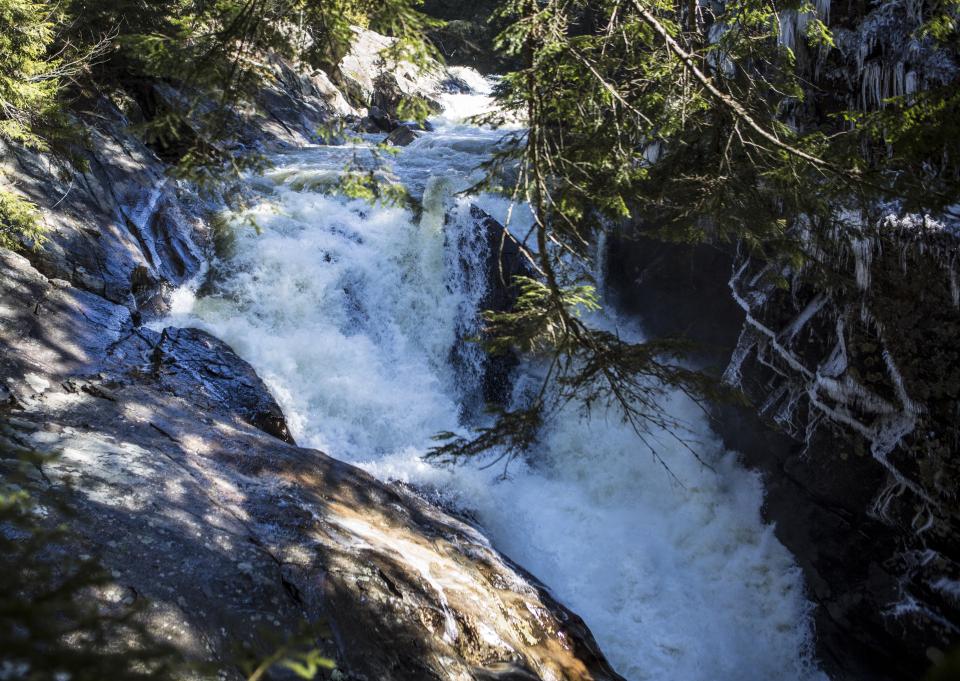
{"type": "Point", "coordinates": [372, 78]}
{"type": "Point", "coordinates": [401, 136]}
{"type": "Point", "coordinates": [190, 361]}
{"type": "Point", "coordinates": [184, 483]}
{"type": "Point", "coordinates": [54, 336]}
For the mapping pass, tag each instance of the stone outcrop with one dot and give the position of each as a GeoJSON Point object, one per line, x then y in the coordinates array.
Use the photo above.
{"type": "Point", "coordinates": [371, 78]}
{"type": "Point", "coordinates": [401, 136]}
{"type": "Point", "coordinates": [116, 228]}
{"type": "Point", "coordinates": [226, 529]}
{"type": "Point", "coordinates": [188, 362]}
{"type": "Point", "coordinates": [881, 581]}
{"type": "Point", "coordinates": [296, 106]}
{"type": "Point", "coordinates": [181, 473]}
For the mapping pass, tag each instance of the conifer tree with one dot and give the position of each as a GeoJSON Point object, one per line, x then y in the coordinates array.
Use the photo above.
{"type": "Point", "coordinates": [676, 115]}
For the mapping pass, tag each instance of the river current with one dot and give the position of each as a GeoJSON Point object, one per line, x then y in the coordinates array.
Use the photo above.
{"type": "Point", "coordinates": [349, 312]}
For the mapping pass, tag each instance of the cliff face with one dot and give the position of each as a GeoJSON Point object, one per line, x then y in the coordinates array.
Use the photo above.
{"type": "Point", "coordinates": [468, 34]}
{"type": "Point", "coordinates": [854, 391]}
{"type": "Point", "coordinates": [181, 473]}
{"type": "Point", "coordinates": [853, 376]}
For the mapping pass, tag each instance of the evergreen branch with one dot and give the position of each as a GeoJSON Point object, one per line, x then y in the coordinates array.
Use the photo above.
{"type": "Point", "coordinates": [731, 104]}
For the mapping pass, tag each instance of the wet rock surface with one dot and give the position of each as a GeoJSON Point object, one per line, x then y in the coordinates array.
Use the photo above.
{"type": "Point", "coordinates": [229, 531]}
{"type": "Point", "coordinates": [401, 136]}
{"type": "Point", "coordinates": [503, 262]}
{"type": "Point", "coordinates": [879, 613]}
{"type": "Point", "coordinates": [190, 361]}
{"type": "Point", "coordinates": [120, 216]}
{"type": "Point", "coordinates": [181, 472]}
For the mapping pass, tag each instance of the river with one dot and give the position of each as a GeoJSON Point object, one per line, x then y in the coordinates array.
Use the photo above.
{"type": "Point", "coordinates": [349, 311]}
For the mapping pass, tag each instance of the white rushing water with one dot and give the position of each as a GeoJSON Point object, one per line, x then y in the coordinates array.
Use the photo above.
{"type": "Point", "coordinates": [349, 312]}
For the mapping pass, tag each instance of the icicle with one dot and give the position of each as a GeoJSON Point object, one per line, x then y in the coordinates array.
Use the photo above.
{"type": "Point", "coordinates": [823, 11]}
{"type": "Point", "coordinates": [600, 262]}
{"type": "Point", "coordinates": [912, 83]}
{"type": "Point", "coordinates": [950, 587]}
{"type": "Point", "coordinates": [954, 284]}
{"type": "Point", "coordinates": [718, 58]}
{"type": "Point", "coordinates": [871, 87]}
{"type": "Point", "coordinates": [909, 607]}
{"type": "Point", "coordinates": [899, 79]}
{"type": "Point", "coordinates": [774, 397]}
{"type": "Point", "coordinates": [651, 152]}
{"type": "Point", "coordinates": [915, 10]}
{"type": "Point", "coordinates": [788, 28]}
{"type": "Point", "coordinates": [867, 42]}
{"type": "Point", "coordinates": [863, 260]}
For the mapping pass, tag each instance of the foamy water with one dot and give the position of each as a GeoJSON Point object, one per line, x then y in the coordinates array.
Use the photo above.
{"type": "Point", "coordinates": [349, 312]}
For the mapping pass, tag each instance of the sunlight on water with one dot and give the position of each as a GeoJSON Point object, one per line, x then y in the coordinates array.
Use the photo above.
{"type": "Point", "coordinates": [349, 312]}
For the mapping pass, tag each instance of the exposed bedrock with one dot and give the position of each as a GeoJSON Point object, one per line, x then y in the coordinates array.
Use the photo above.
{"type": "Point", "coordinates": [181, 471]}
{"type": "Point", "coordinates": [182, 484]}
{"type": "Point", "coordinates": [371, 79]}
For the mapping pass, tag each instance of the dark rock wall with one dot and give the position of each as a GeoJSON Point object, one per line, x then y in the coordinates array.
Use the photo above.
{"type": "Point", "coordinates": [853, 371]}
{"type": "Point", "coordinates": [881, 581]}
{"type": "Point", "coordinates": [467, 37]}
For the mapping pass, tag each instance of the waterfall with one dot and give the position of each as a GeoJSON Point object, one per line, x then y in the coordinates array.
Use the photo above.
{"type": "Point", "coordinates": [350, 312]}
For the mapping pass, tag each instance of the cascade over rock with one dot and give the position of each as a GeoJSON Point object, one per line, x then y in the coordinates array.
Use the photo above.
{"type": "Point", "coordinates": [225, 528]}
{"type": "Point", "coordinates": [181, 469]}
{"type": "Point", "coordinates": [188, 481]}
{"type": "Point", "coordinates": [355, 314]}
{"type": "Point", "coordinates": [502, 264]}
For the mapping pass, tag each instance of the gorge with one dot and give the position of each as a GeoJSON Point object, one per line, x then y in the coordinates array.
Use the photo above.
{"type": "Point", "coordinates": [239, 389]}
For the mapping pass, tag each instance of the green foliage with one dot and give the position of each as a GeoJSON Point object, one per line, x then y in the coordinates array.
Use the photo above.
{"type": "Point", "coordinates": [29, 80]}
{"type": "Point", "coordinates": [677, 118]}
{"type": "Point", "coordinates": [918, 138]}
{"type": "Point", "coordinates": [942, 22]}
{"type": "Point", "coordinates": [537, 322]}
{"type": "Point", "coordinates": [635, 112]}
{"type": "Point", "coordinates": [585, 366]}
{"type": "Point", "coordinates": [20, 223]}
{"type": "Point", "coordinates": [369, 186]}
{"type": "Point", "coordinates": [297, 656]}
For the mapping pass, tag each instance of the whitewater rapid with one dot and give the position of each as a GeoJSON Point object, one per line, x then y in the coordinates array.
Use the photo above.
{"type": "Point", "coordinates": [349, 312]}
